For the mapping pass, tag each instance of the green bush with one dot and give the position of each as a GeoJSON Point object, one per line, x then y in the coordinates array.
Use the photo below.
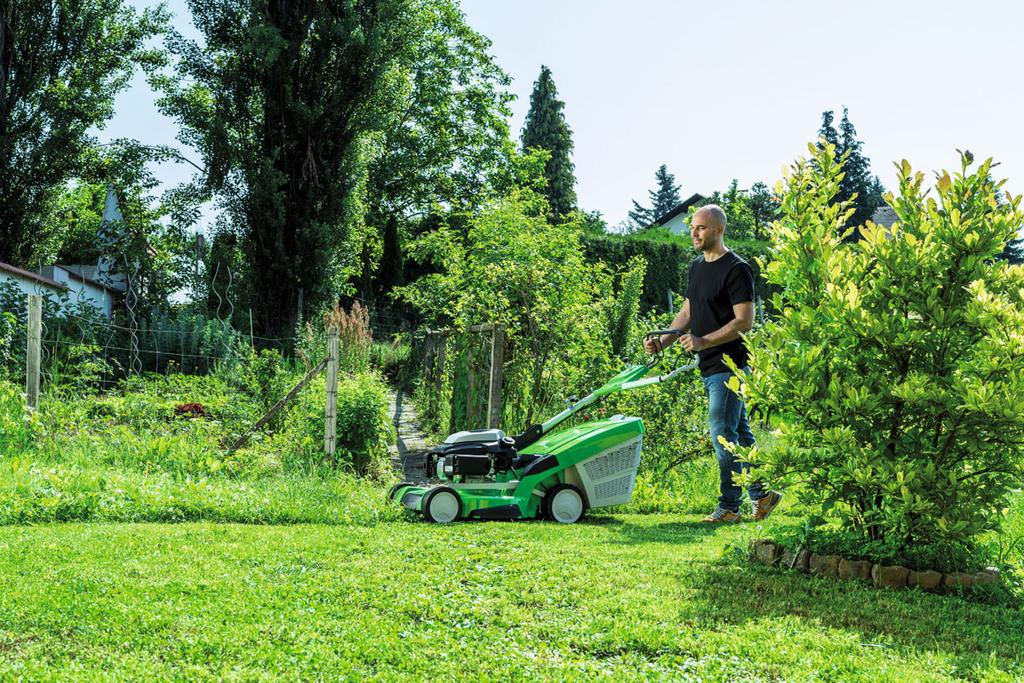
{"type": "Point", "coordinates": [896, 365]}
{"type": "Point", "coordinates": [364, 429]}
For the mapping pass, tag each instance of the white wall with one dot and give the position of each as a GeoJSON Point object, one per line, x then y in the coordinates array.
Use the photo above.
{"type": "Point", "coordinates": [28, 286]}
{"type": "Point", "coordinates": [678, 225]}
{"type": "Point", "coordinates": [85, 292]}
{"type": "Point", "coordinates": [77, 291]}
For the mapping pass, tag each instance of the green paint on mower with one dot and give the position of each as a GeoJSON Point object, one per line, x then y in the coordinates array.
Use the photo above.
{"type": "Point", "coordinates": [484, 474]}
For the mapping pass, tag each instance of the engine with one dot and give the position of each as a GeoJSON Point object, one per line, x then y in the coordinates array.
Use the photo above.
{"type": "Point", "coordinates": [471, 459]}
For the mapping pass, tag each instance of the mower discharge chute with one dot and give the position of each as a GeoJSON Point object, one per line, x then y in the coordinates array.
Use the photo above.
{"type": "Point", "coordinates": [484, 474]}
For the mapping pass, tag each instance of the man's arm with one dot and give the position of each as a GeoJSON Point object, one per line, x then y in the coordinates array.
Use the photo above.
{"type": "Point", "coordinates": [681, 322]}
{"type": "Point", "coordinates": [743, 322]}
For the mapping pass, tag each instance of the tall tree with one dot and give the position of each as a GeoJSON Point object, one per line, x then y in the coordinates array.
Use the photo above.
{"type": "Point", "coordinates": [546, 128]}
{"type": "Point", "coordinates": [764, 206]}
{"type": "Point", "coordinates": [448, 145]}
{"type": "Point", "coordinates": [286, 102]}
{"type": "Point", "coordinates": [857, 179]}
{"type": "Point", "coordinates": [663, 199]}
{"type": "Point", "coordinates": [61, 65]}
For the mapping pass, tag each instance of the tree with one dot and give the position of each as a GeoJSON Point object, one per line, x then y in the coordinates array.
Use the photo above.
{"type": "Point", "coordinates": [448, 141]}
{"type": "Point", "coordinates": [895, 366]}
{"type": "Point", "coordinates": [61, 65]}
{"type": "Point", "coordinates": [546, 129]}
{"type": "Point", "coordinates": [764, 207]}
{"type": "Point", "coordinates": [150, 242]}
{"type": "Point", "coordinates": [739, 216]}
{"type": "Point", "coordinates": [286, 103]}
{"type": "Point", "coordinates": [663, 198]}
{"type": "Point", "coordinates": [447, 145]}
{"type": "Point", "coordinates": [857, 184]}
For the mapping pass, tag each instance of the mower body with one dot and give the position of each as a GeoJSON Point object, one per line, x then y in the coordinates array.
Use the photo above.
{"type": "Point", "coordinates": [598, 459]}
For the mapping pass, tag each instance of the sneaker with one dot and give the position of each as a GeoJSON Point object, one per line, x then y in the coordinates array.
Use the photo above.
{"type": "Point", "coordinates": [764, 506]}
{"type": "Point", "coordinates": [723, 515]}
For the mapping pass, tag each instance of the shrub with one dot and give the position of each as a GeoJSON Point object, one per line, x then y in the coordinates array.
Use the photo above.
{"type": "Point", "coordinates": [897, 362]}
{"type": "Point", "coordinates": [364, 427]}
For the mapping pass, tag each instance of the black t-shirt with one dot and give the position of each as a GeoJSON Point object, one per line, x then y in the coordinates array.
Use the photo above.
{"type": "Point", "coordinates": [712, 290]}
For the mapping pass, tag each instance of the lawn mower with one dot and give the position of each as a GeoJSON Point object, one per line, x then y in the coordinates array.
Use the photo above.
{"type": "Point", "coordinates": [484, 474]}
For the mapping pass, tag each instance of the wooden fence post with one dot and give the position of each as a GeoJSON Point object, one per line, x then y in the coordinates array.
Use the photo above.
{"type": "Point", "coordinates": [497, 375]}
{"type": "Point", "coordinates": [35, 325]}
{"type": "Point", "coordinates": [331, 414]}
{"type": "Point", "coordinates": [470, 384]}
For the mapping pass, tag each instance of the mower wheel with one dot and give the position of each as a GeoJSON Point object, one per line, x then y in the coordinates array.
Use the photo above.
{"type": "Point", "coordinates": [442, 505]}
{"type": "Point", "coordinates": [564, 504]}
{"type": "Point", "coordinates": [394, 489]}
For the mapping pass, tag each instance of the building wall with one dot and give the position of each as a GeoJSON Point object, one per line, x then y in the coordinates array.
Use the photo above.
{"type": "Point", "coordinates": [27, 286]}
{"type": "Point", "coordinates": [84, 292]}
{"type": "Point", "coordinates": [677, 225]}
{"type": "Point", "coordinates": [74, 289]}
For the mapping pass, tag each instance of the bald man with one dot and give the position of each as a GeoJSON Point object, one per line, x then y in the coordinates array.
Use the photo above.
{"type": "Point", "coordinates": [719, 307]}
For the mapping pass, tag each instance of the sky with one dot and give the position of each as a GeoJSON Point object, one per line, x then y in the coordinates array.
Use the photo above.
{"type": "Point", "coordinates": [727, 90]}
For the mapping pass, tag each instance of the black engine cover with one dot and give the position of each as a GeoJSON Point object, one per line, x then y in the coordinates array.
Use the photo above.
{"type": "Point", "coordinates": [469, 465]}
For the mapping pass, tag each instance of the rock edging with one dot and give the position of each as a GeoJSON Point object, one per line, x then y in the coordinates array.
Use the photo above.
{"type": "Point", "coordinates": [770, 553]}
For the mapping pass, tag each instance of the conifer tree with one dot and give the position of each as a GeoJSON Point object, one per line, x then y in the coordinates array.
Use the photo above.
{"type": "Point", "coordinates": [857, 179]}
{"type": "Point", "coordinates": [546, 128]}
{"type": "Point", "coordinates": [663, 199]}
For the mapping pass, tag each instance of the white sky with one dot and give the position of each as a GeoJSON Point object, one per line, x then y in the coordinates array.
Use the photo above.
{"type": "Point", "coordinates": [736, 89]}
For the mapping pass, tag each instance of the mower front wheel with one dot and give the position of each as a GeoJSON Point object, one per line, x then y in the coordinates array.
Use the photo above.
{"type": "Point", "coordinates": [564, 504]}
{"type": "Point", "coordinates": [442, 505]}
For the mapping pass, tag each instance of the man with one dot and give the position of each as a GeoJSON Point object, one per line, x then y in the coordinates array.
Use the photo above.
{"type": "Point", "coordinates": [718, 308]}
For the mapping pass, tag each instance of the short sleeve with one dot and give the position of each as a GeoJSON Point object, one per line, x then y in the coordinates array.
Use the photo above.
{"type": "Point", "coordinates": [740, 284]}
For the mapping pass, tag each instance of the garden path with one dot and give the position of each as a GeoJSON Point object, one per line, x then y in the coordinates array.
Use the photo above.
{"type": "Point", "coordinates": [410, 440]}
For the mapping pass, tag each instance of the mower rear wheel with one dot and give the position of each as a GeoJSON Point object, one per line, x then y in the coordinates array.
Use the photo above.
{"type": "Point", "coordinates": [442, 505]}
{"type": "Point", "coordinates": [564, 504]}
{"type": "Point", "coordinates": [394, 489]}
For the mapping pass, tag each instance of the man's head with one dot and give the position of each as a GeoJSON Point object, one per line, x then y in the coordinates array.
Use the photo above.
{"type": "Point", "coordinates": [707, 227]}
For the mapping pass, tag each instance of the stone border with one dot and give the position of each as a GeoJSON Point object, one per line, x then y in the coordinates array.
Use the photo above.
{"type": "Point", "coordinates": [770, 553]}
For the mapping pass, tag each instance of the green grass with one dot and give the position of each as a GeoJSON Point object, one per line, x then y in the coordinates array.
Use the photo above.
{"type": "Point", "coordinates": [626, 597]}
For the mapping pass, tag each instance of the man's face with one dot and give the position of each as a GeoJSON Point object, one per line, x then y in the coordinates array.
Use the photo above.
{"type": "Point", "coordinates": [704, 232]}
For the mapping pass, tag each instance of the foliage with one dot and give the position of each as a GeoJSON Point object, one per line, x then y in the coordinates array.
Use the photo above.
{"type": "Point", "coordinates": [663, 199]}
{"type": "Point", "coordinates": [448, 141]}
{"type": "Point", "coordinates": [289, 164]}
{"type": "Point", "coordinates": [896, 365]}
{"type": "Point", "coordinates": [149, 243]}
{"type": "Point", "coordinates": [354, 336]}
{"type": "Point", "coordinates": [545, 128]}
{"type": "Point", "coordinates": [739, 213]}
{"type": "Point", "coordinates": [364, 428]}
{"type": "Point", "coordinates": [517, 269]}
{"type": "Point", "coordinates": [764, 208]}
{"type": "Point", "coordinates": [857, 185]}
{"type": "Point", "coordinates": [668, 259]}
{"type": "Point", "coordinates": [61, 66]}
{"type": "Point", "coordinates": [621, 314]}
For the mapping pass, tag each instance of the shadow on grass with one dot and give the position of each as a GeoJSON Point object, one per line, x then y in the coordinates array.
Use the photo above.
{"type": "Point", "coordinates": [668, 532]}
{"type": "Point", "coordinates": [972, 632]}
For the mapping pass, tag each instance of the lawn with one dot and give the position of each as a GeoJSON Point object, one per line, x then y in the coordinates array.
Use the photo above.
{"type": "Point", "coordinates": [626, 597]}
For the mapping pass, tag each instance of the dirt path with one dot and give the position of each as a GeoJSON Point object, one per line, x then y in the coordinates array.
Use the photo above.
{"type": "Point", "coordinates": [410, 442]}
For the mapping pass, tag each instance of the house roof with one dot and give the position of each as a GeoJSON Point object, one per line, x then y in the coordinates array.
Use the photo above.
{"type": "Point", "coordinates": [684, 206]}
{"type": "Point", "coordinates": [28, 275]}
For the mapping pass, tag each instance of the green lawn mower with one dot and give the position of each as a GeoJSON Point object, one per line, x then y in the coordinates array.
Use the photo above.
{"type": "Point", "coordinates": [484, 474]}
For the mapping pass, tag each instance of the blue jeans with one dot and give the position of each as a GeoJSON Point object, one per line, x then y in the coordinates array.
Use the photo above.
{"type": "Point", "coordinates": [727, 417]}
